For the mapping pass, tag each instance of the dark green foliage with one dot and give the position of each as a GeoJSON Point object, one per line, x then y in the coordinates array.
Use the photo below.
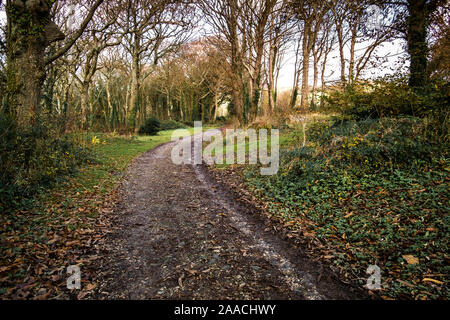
{"type": "Point", "coordinates": [171, 125]}
{"type": "Point", "coordinates": [221, 121]}
{"type": "Point", "coordinates": [151, 127]}
{"type": "Point", "coordinates": [189, 123]}
{"type": "Point", "coordinates": [372, 191]}
{"type": "Point", "coordinates": [34, 158]}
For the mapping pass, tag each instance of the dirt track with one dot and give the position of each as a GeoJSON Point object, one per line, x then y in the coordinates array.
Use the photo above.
{"type": "Point", "coordinates": [179, 235]}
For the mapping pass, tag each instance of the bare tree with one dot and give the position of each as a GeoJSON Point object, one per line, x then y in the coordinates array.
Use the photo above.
{"type": "Point", "coordinates": [280, 33]}
{"type": "Point", "coordinates": [312, 14]}
{"type": "Point", "coordinates": [101, 34]}
{"type": "Point", "coordinates": [151, 29]}
{"type": "Point", "coordinates": [223, 16]}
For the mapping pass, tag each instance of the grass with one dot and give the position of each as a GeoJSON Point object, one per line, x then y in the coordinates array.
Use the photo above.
{"type": "Point", "coordinates": [114, 155]}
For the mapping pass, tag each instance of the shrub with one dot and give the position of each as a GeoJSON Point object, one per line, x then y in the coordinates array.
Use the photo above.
{"type": "Point", "coordinates": [391, 97]}
{"type": "Point", "coordinates": [368, 192]}
{"type": "Point", "coordinates": [221, 120]}
{"type": "Point", "coordinates": [189, 123]}
{"type": "Point", "coordinates": [33, 158]}
{"type": "Point", "coordinates": [352, 102]}
{"type": "Point", "coordinates": [171, 125]}
{"type": "Point", "coordinates": [151, 127]}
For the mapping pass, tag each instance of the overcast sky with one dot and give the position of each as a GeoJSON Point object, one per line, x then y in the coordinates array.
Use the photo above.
{"type": "Point", "coordinates": [394, 50]}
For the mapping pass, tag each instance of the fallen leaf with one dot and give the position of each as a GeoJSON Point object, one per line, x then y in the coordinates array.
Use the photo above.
{"type": "Point", "coordinates": [192, 272]}
{"type": "Point", "coordinates": [81, 295]}
{"type": "Point", "coordinates": [432, 280]}
{"type": "Point", "coordinates": [91, 286]}
{"type": "Point", "coordinates": [410, 259]}
{"type": "Point", "coordinates": [406, 283]}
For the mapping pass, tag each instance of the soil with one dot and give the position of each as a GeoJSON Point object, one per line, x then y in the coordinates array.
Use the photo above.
{"type": "Point", "coordinates": [181, 234]}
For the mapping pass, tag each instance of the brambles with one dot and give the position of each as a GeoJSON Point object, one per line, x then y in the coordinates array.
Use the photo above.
{"type": "Point", "coordinates": [151, 127]}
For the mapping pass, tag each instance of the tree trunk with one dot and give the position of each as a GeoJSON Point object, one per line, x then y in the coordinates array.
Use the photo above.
{"type": "Point", "coordinates": [306, 57]}
{"type": "Point", "coordinates": [29, 32]}
{"type": "Point", "coordinates": [297, 69]}
{"type": "Point", "coordinates": [85, 107]}
{"type": "Point", "coordinates": [134, 94]}
{"type": "Point", "coordinates": [417, 42]}
{"type": "Point", "coordinates": [256, 81]}
{"type": "Point", "coordinates": [236, 85]}
{"type": "Point", "coordinates": [341, 51]}
{"type": "Point", "coordinates": [216, 105]}
{"type": "Point", "coordinates": [351, 66]}
{"type": "Point", "coordinates": [324, 66]}
{"type": "Point", "coordinates": [272, 87]}
{"type": "Point", "coordinates": [236, 67]}
{"type": "Point", "coordinates": [316, 76]}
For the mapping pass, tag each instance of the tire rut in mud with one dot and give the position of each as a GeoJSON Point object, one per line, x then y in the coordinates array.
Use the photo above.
{"type": "Point", "coordinates": [180, 235]}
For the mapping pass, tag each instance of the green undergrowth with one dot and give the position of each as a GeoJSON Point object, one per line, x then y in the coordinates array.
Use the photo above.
{"type": "Point", "coordinates": [372, 192]}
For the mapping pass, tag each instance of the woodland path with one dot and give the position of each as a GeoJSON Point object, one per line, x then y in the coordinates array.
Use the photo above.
{"type": "Point", "coordinates": [180, 235]}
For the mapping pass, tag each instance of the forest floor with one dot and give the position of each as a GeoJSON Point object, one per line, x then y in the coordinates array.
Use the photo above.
{"type": "Point", "coordinates": [178, 234]}
{"type": "Point", "coordinates": [66, 224]}
{"type": "Point", "coordinates": [149, 229]}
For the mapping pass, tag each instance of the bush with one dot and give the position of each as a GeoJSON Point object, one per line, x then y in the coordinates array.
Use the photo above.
{"type": "Point", "coordinates": [371, 145]}
{"type": "Point", "coordinates": [34, 158]}
{"type": "Point", "coordinates": [352, 102]}
{"type": "Point", "coordinates": [189, 123]}
{"type": "Point", "coordinates": [151, 127]}
{"type": "Point", "coordinates": [369, 192]}
{"type": "Point", "coordinates": [221, 120]}
{"type": "Point", "coordinates": [391, 97]}
{"type": "Point", "coordinates": [171, 125]}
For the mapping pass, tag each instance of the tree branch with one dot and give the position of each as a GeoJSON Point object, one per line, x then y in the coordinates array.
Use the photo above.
{"type": "Point", "coordinates": [77, 35]}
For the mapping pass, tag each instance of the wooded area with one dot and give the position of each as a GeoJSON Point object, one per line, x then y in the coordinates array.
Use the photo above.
{"type": "Point", "coordinates": [111, 64]}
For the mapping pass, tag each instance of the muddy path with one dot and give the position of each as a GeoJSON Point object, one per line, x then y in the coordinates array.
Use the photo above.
{"type": "Point", "coordinates": [181, 235]}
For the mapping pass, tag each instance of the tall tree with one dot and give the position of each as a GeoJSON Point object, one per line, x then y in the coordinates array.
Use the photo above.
{"type": "Point", "coordinates": [30, 31]}
{"type": "Point", "coordinates": [147, 26]}
{"type": "Point", "coordinates": [223, 16]}
{"type": "Point", "coordinates": [312, 14]}
{"type": "Point", "coordinates": [101, 34]}
{"type": "Point", "coordinates": [417, 41]}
